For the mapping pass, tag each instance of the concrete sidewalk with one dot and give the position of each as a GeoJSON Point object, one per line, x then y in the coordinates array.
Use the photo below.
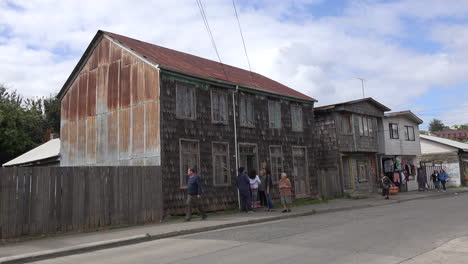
{"type": "Point", "coordinates": [452, 252]}
{"type": "Point", "coordinates": [40, 249]}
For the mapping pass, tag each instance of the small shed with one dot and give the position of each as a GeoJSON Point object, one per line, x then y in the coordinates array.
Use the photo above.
{"type": "Point", "coordinates": [442, 153]}
{"type": "Point", "coordinates": [47, 154]}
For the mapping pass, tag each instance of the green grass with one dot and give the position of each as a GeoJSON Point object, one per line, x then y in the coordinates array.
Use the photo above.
{"type": "Point", "coordinates": [457, 187]}
{"type": "Point", "coordinates": [303, 202]}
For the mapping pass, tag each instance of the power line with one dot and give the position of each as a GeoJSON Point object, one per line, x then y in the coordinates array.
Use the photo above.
{"type": "Point", "coordinates": [208, 29]}
{"type": "Point", "coordinates": [242, 35]}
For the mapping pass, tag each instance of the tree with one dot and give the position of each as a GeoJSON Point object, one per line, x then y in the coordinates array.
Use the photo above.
{"type": "Point", "coordinates": [436, 125]}
{"type": "Point", "coordinates": [460, 127]}
{"type": "Point", "coordinates": [25, 123]}
{"type": "Point", "coordinates": [52, 114]}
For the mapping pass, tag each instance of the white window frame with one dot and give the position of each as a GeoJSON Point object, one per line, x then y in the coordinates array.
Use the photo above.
{"type": "Point", "coordinates": [275, 180]}
{"type": "Point", "coordinates": [228, 183]}
{"type": "Point", "coordinates": [246, 122]}
{"type": "Point", "coordinates": [213, 110]}
{"type": "Point", "coordinates": [274, 112]}
{"type": "Point", "coordinates": [297, 126]}
{"type": "Point", "coordinates": [194, 102]}
{"type": "Point", "coordinates": [183, 173]}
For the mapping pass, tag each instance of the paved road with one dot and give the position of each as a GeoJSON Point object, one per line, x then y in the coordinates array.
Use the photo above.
{"type": "Point", "coordinates": [386, 234]}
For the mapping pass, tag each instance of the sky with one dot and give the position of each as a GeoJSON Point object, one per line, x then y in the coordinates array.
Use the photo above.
{"type": "Point", "coordinates": [412, 54]}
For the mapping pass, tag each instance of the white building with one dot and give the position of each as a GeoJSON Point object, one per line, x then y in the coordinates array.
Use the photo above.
{"type": "Point", "coordinates": [441, 153]}
{"type": "Point", "coordinates": [402, 145]}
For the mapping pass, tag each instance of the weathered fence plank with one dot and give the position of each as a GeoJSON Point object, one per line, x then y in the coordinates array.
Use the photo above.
{"type": "Point", "coordinates": [46, 200]}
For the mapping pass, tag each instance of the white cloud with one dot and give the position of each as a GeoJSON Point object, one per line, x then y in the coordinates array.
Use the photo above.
{"type": "Point", "coordinates": [318, 56]}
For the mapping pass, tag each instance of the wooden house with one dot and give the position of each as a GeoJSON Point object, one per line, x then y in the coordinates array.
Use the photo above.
{"type": "Point", "coordinates": [132, 103]}
{"type": "Point", "coordinates": [349, 138]}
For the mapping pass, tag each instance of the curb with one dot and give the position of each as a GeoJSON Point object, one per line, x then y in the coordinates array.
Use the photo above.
{"type": "Point", "coordinates": [95, 246]}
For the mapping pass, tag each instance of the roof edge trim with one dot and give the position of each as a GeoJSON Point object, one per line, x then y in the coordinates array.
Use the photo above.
{"type": "Point", "coordinates": [233, 84]}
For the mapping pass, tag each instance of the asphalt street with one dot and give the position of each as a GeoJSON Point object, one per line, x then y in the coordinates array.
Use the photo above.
{"type": "Point", "coordinates": [386, 234]}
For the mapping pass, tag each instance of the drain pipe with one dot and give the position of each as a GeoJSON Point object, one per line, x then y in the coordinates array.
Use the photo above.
{"type": "Point", "coordinates": [235, 142]}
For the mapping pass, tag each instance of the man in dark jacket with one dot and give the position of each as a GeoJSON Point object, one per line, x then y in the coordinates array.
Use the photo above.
{"type": "Point", "coordinates": [243, 184]}
{"type": "Point", "coordinates": [194, 194]}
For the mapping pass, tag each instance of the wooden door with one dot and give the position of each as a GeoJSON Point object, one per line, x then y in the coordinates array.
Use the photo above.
{"type": "Point", "coordinates": [300, 175]}
{"type": "Point", "coordinates": [248, 157]}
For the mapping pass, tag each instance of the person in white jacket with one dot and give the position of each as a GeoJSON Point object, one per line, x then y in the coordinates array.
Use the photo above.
{"type": "Point", "coordinates": [254, 182]}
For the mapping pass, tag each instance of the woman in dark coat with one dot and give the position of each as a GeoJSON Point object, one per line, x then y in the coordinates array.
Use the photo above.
{"type": "Point", "coordinates": [422, 180]}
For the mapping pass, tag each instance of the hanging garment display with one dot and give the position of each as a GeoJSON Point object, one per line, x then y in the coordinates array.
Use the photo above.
{"type": "Point", "coordinates": [405, 174]}
{"type": "Point", "coordinates": [398, 164]}
{"type": "Point", "coordinates": [396, 177]}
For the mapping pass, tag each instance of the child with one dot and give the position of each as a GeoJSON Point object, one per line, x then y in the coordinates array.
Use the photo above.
{"type": "Point", "coordinates": [254, 182]}
{"type": "Point", "coordinates": [285, 192]}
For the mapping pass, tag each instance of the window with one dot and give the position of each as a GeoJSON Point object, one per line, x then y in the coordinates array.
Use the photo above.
{"type": "Point", "coordinates": [248, 156]}
{"type": "Point", "coordinates": [370, 127]}
{"type": "Point", "coordinates": [365, 126]}
{"type": "Point", "coordinates": [276, 160]}
{"type": "Point", "coordinates": [246, 111]}
{"type": "Point", "coordinates": [296, 118]}
{"type": "Point", "coordinates": [363, 170]}
{"type": "Point", "coordinates": [409, 133]}
{"type": "Point", "coordinates": [219, 107]}
{"type": "Point", "coordinates": [189, 156]}
{"type": "Point", "coordinates": [393, 130]}
{"type": "Point", "coordinates": [361, 129]}
{"type": "Point", "coordinates": [185, 100]}
{"type": "Point", "coordinates": [346, 127]}
{"type": "Point", "coordinates": [274, 114]}
{"type": "Point", "coordinates": [221, 175]}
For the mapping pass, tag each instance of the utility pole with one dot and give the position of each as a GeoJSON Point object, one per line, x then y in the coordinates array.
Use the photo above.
{"type": "Point", "coordinates": [362, 84]}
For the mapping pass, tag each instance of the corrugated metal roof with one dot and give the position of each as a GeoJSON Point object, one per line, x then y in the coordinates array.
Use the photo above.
{"type": "Point", "coordinates": [407, 113]}
{"type": "Point", "coordinates": [370, 99]}
{"type": "Point", "coordinates": [47, 150]}
{"type": "Point", "coordinates": [192, 64]}
{"type": "Point", "coordinates": [448, 142]}
{"type": "Point", "coordinates": [186, 63]}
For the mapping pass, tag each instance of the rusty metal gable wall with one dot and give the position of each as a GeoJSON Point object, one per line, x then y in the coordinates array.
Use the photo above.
{"type": "Point", "coordinates": [206, 132]}
{"type": "Point", "coordinates": [110, 114]}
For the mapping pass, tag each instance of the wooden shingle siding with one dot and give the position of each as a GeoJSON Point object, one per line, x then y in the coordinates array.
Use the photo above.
{"type": "Point", "coordinates": [207, 132]}
{"type": "Point", "coordinates": [335, 142]}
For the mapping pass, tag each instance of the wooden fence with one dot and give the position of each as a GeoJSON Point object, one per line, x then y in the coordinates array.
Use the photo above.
{"type": "Point", "coordinates": [38, 200]}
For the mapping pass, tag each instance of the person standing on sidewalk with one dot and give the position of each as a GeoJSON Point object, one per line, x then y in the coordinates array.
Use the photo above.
{"type": "Point", "coordinates": [422, 180]}
{"type": "Point", "coordinates": [261, 189]}
{"type": "Point", "coordinates": [268, 188]}
{"type": "Point", "coordinates": [443, 179]}
{"type": "Point", "coordinates": [435, 180]}
{"type": "Point", "coordinates": [285, 192]}
{"type": "Point", "coordinates": [243, 184]}
{"type": "Point", "coordinates": [254, 182]}
{"type": "Point", "coordinates": [194, 195]}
